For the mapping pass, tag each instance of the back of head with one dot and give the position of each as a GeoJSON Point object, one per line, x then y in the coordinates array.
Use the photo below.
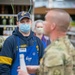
{"type": "Point", "coordinates": [61, 18]}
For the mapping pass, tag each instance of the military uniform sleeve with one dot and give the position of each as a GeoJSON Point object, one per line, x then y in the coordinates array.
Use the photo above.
{"type": "Point", "coordinates": [6, 56]}
{"type": "Point", "coordinates": [53, 64]}
{"type": "Point", "coordinates": [68, 62]}
{"type": "Point", "coordinates": [73, 56]}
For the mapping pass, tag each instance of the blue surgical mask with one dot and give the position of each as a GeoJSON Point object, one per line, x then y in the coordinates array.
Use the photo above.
{"type": "Point", "coordinates": [24, 27]}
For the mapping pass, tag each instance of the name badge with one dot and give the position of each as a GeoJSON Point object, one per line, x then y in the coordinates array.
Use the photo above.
{"type": "Point", "coordinates": [22, 49]}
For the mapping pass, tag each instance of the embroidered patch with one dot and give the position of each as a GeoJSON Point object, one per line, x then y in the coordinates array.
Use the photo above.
{"type": "Point", "coordinates": [23, 13]}
{"type": "Point", "coordinates": [56, 72]}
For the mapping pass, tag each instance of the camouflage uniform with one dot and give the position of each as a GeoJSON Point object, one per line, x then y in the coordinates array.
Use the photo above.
{"type": "Point", "coordinates": [58, 58]}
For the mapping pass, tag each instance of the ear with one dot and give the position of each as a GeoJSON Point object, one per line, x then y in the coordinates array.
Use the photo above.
{"type": "Point", "coordinates": [53, 26]}
{"type": "Point", "coordinates": [30, 21]}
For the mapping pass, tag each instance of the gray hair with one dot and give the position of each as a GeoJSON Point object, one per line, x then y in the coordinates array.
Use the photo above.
{"type": "Point", "coordinates": [38, 21]}
{"type": "Point", "coordinates": [35, 23]}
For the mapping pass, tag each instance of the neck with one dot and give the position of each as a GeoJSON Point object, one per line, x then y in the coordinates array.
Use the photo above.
{"type": "Point", "coordinates": [25, 34]}
{"type": "Point", "coordinates": [56, 35]}
{"type": "Point", "coordinates": [39, 35]}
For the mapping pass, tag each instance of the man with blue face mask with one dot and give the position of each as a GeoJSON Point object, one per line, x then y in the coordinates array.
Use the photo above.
{"type": "Point", "coordinates": [22, 41]}
{"type": "Point", "coordinates": [24, 22]}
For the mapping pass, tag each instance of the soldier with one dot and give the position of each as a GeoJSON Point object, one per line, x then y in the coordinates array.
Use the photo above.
{"type": "Point", "coordinates": [59, 55]}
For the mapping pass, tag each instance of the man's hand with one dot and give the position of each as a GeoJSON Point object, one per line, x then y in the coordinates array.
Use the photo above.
{"type": "Point", "coordinates": [32, 69]}
{"type": "Point", "coordinates": [21, 72]}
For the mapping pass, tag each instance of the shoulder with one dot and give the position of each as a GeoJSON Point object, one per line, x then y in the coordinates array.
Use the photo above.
{"type": "Point", "coordinates": [38, 40]}
{"type": "Point", "coordinates": [35, 37]}
{"type": "Point", "coordinates": [10, 39]}
{"type": "Point", "coordinates": [53, 58]}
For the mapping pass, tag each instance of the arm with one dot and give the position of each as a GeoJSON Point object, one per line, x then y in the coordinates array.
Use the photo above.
{"type": "Point", "coordinates": [20, 72]}
{"type": "Point", "coordinates": [31, 70]}
{"type": "Point", "coordinates": [68, 64]}
{"type": "Point", "coordinates": [6, 57]}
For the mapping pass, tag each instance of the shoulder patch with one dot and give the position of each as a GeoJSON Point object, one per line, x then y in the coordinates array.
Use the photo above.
{"type": "Point", "coordinates": [56, 72]}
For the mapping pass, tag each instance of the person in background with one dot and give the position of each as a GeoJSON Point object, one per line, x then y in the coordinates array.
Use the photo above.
{"type": "Point", "coordinates": [22, 41]}
{"type": "Point", "coordinates": [39, 32]}
{"type": "Point", "coordinates": [59, 56]}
